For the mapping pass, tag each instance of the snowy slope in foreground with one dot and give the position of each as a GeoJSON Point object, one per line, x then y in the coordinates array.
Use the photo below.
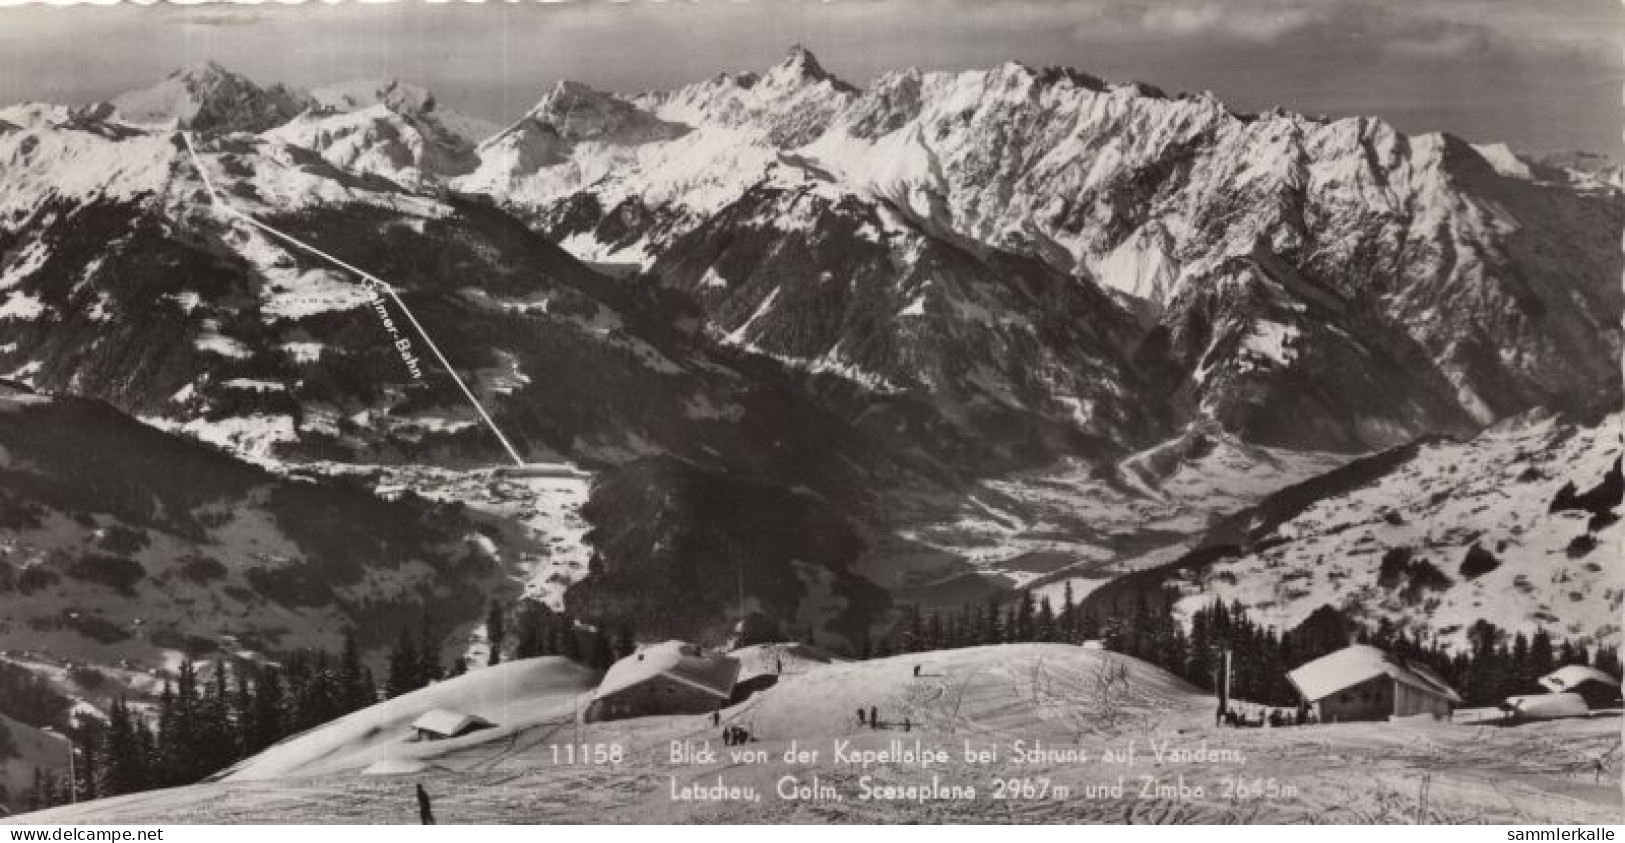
{"type": "Point", "coordinates": [515, 696]}
{"type": "Point", "coordinates": [988, 696]}
{"type": "Point", "coordinates": [1024, 689]}
{"type": "Point", "coordinates": [1493, 492]}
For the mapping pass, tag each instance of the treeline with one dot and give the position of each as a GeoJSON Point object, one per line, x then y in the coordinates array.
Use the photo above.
{"type": "Point", "coordinates": [1494, 666]}
{"type": "Point", "coordinates": [205, 721]}
{"type": "Point", "coordinates": [541, 632]}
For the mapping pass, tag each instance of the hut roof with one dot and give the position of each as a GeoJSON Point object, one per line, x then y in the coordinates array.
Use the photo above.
{"type": "Point", "coordinates": [1569, 677]}
{"type": "Point", "coordinates": [1359, 662]}
{"type": "Point", "coordinates": [448, 723]}
{"type": "Point", "coordinates": [679, 661]}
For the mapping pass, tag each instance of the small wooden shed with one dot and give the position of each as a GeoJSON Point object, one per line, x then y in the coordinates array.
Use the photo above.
{"type": "Point", "coordinates": [442, 723]}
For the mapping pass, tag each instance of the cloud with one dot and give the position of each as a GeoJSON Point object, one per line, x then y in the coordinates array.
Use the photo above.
{"type": "Point", "coordinates": [1448, 44]}
{"type": "Point", "coordinates": [1433, 29]}
{"type": "Point", "coordinates": [1585, 28]}
{"type": "Point", "coordinates": [228, 17]}
{"type": "Point", "coordinates": [1239, 21]}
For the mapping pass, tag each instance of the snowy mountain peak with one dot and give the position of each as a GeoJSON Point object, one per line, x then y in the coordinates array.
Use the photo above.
{"type": "Point", "coordinates": [208, 97]}
{"type": "Point", "coordinates": [568, 95]}
{"type": "Point", "coordinates": [206, 72]}
{"type": "Point", "coordinates": [800, 68]}
{"type": "Point", "coordinates": [400, 97]}
{"type": "Point", "coordinates": [576, 111]}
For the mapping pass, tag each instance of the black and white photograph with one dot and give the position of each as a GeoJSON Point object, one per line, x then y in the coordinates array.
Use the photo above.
{"type": "Point", "coordinates": [863, 412]}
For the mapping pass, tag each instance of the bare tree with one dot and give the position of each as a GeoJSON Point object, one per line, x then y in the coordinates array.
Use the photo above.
{"type": "Point", "coordinates": [1109, 690]}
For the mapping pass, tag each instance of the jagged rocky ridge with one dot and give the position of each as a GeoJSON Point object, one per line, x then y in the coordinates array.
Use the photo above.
{"type": "Point", "coordinates": [883, 296]}
{"type": "Point", "coordinates": [1306, 281]}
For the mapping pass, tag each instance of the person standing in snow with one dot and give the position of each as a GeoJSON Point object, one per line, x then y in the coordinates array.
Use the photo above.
{"type": "Point", "coordinates": [862, 720]}
{"type": "Point", "coordinates": [874, 717]}
{"type": "Point", "coordinates": [425, 812]}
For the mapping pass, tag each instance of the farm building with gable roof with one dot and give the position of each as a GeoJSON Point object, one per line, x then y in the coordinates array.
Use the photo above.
{"type": "Point", "coordinates": [1361, 682]}
{"type": "Point", "coordinates": [667, 678]}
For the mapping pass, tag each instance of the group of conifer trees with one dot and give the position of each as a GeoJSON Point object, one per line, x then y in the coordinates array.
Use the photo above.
{"type": "Point", "coordinates": [1494, 666]}
{"type": "Point", "coordinates": [541, 632]}
{"type": "Point", "coordinates": [204, 720]}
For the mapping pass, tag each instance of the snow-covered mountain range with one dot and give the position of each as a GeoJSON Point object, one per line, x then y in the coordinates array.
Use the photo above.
{"type": "Point", "coordinates": [945, 334]}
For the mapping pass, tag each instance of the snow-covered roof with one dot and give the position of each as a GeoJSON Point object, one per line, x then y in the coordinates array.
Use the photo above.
{"type": "Point", "coordinates": [1546, 706]}
{"type": "Point", "coordinates": [1358, 662]}
{"type": "Point", "coordinates": [448, 723]}
{"type": "Point", "coordinates": [714, 674]}
{"type": "Point", "coordinates": [1569, 677]}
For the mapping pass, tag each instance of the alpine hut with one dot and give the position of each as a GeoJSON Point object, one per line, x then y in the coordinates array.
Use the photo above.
{"type": "Point", "coordinates": [1361, 682]}
{"type": "Point", "coordinates": [441, 723]}
{"type": "Point", "coordinates": [1598, 689]}
{"type": "Point", "coordinates": [672, 677]}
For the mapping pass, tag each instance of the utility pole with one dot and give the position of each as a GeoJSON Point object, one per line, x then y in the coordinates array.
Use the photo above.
{"type": "Point", "coordinates": [1227, 674]}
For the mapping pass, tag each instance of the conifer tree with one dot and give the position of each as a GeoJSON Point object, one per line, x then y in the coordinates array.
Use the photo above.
{"type": "Point", "coordinates": [603, 652]}
{"type": "Point", "coordinates": [1542, 658]}
{"type": "Point", "coordinates": [532, 632]}
{"type": "Point", "coordinates": [405, 667]}
{"type": "Point", "coordinates": [428, 650]}
{"type": "Point", "coordinates": [626, 643]}
{"type": "Point", "coordinates": [355, 690]}
{"type": "Point", "coordinates": [914, 639]}
{"type": "Point", "coordinates": [1044, 623]}
{"type": "Point", "coordinates": [570, 645]}
{"type": "Point", "coordinates": [1067, 620]}
{"type": "Point", "coordinates": [934, 632]}
{"type": "Point", "coordinates": [269, 722]}
{"type": "Point", "coordinates": [495, 634]}
{"type": "Point", "coordinates": [1607, 661]}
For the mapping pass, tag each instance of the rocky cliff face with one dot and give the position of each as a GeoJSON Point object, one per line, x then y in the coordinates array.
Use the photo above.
{"type": "Point", "coordinates": [1363, 282]}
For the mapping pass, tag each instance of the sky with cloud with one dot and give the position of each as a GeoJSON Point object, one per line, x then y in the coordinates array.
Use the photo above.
{"type": "Point", "coordinates": [1540, 74]}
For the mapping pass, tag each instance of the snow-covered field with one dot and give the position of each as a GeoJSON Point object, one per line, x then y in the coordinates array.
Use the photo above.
{"type": "Point", "coordinates": [1172, 763]}
{"type": "Point", "coordinates": [1074, 524]}
{"type": "Point", "coordinates": [539, 516]}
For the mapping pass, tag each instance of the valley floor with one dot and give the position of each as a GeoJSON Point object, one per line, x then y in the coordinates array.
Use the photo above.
{"type": "Point", "coordinates": [989, 698]}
